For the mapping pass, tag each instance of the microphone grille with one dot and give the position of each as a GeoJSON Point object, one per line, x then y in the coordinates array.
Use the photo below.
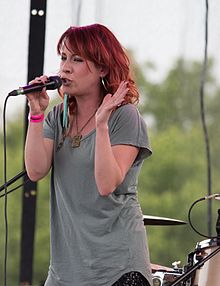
{"type": "Point", "coordinates": [56, 82]}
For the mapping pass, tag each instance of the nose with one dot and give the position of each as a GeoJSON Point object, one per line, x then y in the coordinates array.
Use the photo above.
{"type": "Point", "coordinates": [66, 67]}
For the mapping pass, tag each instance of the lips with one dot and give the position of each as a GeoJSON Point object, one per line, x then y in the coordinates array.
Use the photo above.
{"type": "Point", "coordinates": [66, 81]}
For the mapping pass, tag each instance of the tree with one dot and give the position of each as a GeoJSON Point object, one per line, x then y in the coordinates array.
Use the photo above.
{"type": "Point", "coordinates": [175, 176]}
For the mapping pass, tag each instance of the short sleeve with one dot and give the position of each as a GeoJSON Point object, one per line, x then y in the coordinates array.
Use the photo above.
{"type": "Point", "coordinates": [127, 126]}
{"type": "Point", "coordinates": [51, 122]}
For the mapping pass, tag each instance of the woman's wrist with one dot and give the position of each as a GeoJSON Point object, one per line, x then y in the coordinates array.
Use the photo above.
{"type": "Point", "coordinates": [35, 118]}
{"type": "Point", "coordinates": [102, 128]}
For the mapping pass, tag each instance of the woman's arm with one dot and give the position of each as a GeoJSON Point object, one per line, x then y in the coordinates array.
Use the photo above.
{"type": "Point", "coordinates": [38, 150]}
{"type": "Point", "coordinates": [111, 162]}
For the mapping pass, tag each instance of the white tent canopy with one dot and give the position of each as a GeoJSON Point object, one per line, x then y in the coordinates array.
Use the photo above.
{"type": "Point", "coordinates": [156, 31]}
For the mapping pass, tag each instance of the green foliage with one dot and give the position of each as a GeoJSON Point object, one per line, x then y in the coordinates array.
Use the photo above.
{"type": "Point", "coordinates": [15, 143]}
{"type": "Point", "coordinates": [169, 182]}
{"type": "Point", "coordinates": [41, 257]}
{"type": "Point", "coordinates": [176, 175]}
{"type": "Point", "coordinates": [176, 100]}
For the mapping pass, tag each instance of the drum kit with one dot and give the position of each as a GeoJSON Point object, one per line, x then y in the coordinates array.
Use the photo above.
{"type": "Point", "coordinates": [203, 264]}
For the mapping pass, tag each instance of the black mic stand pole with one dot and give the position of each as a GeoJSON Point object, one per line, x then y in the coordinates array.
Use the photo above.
{"type": "Point", "coordinates": [12, 180]}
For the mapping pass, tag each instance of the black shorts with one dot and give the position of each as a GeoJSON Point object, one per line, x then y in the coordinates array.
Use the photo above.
{"type": "Point", "coordinates": [133, 278]}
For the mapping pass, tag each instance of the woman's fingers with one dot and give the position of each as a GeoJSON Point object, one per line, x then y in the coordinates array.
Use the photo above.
{"type": "Point", "coordinates": [111, 102]}
{"type": "Point", "coordinates": [38, 100]}
{"type": "Point", "coordinates": [39, 79]}
{"type": "Point", "coordinates": [118, 97]}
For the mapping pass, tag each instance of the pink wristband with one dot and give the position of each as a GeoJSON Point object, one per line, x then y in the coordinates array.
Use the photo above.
{"type": "Point", "coordinates": [36, 118]}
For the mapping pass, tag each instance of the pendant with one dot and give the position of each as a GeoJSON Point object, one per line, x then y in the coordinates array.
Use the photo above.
{"type": "Point", "coordinates": [76, 141]}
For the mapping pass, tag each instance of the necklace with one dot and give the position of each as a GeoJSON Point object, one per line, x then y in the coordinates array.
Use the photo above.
{"type": "Point", "coordinates": [77, 138]}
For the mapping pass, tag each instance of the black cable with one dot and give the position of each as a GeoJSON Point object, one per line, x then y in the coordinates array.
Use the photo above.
{"type": "Point", "coordinates": [190, 210]}
{"type": "Point", "coordinates": [189, 217]}
{"type": "Point", "coordinates": [203, 120]}
{"type": "Point", "coordinates": [5, 193]}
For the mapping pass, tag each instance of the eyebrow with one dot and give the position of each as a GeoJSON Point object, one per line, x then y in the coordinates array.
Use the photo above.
{"type": "Point", "coordinates": [72, 54]}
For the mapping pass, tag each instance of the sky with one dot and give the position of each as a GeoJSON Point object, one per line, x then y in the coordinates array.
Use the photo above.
{"type": "Point", "coordinates": [156, 31]}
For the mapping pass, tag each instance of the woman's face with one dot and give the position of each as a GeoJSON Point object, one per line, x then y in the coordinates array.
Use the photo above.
{"type": "Point", "coordinates": [79, 76]}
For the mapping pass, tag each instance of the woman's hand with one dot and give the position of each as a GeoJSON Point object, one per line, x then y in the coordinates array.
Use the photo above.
{"type": "Point", "coordinates": [110, 103]}
{"type": "Point", "coordinates": [38, 100]}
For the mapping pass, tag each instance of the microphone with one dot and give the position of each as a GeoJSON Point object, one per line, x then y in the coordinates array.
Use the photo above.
{"type": "Point", "coordinates": [53, 82]}
{"type": "Point", "coordinates": [215, 196]}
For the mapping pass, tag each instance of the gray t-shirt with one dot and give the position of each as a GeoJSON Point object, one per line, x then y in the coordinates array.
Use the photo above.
{"type": "Point", "coordinates": [95, 239]}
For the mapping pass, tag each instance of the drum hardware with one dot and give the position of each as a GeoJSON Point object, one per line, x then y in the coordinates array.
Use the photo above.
{"type": "Point", "coordinates": [190, 262]}
{"type": "Point", "coordinates": [198, 271]}
{"type": "Point", "coordinates": [218, 228]}
{"type": "Point", "coordinates": [191, 270]}
{"type": "Point", "coordinates": [175, 265]}
{"type": "Point", "coordinates": [202, 255]}
{"type": "Point", "coordinates": [163, 277]}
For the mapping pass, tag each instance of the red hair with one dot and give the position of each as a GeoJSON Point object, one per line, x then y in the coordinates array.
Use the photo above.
{"type": "Point", "coordinates": [98, 44]}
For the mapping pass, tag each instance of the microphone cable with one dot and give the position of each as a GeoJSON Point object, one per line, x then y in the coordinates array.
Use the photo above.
{"type": "Point", "coordinates": [5, 193]}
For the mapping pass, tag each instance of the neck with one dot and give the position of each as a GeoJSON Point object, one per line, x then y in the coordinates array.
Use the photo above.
{"type": "Point", "coordinates": [87, 106]}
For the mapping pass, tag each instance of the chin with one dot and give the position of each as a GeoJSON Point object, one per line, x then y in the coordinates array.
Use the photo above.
{"type": "Point", "coordinates": [67, 90]}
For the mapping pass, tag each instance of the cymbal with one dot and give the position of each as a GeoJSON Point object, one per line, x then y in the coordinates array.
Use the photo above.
{"type": "Point", "coordinates": [156, 220]}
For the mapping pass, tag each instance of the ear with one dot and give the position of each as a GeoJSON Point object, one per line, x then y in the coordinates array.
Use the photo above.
{"type": "Point", "coordinates": [103, 71]}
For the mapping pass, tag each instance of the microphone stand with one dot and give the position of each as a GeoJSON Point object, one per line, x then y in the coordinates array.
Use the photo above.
{"type": "Point", "coordinates": [185, 276]}
{"type": "Point", "coordinates": [12, 180]}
